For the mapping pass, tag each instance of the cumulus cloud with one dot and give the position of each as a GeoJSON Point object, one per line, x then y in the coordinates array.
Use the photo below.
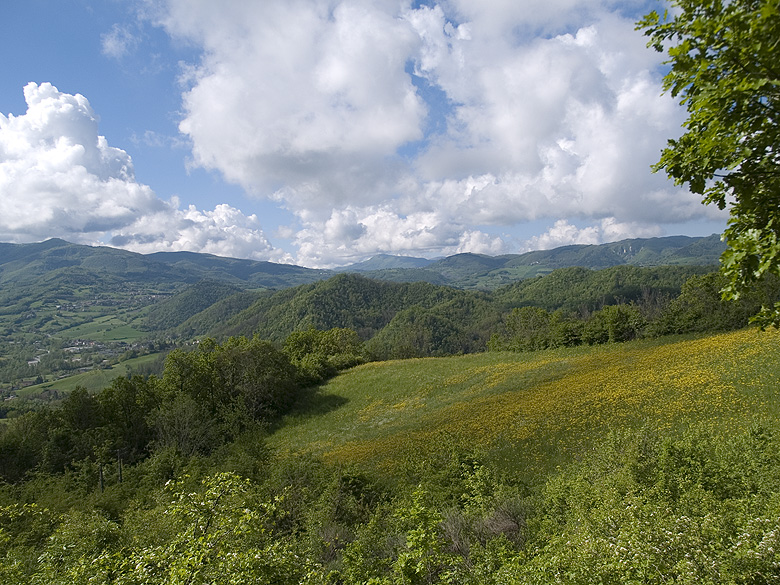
{"type": "Point", "coordinates": [59, 177]}
{"type": "Point", "coordinates": [353, 233]}
{"type": "Point", "coordinates": [225, 231]}
{"type": "Point", "coordinates": [301, 99]}
{"type": "Point", "coordinates": [564, 233]}
{"type": "Point", "coordinates": [545, 110]}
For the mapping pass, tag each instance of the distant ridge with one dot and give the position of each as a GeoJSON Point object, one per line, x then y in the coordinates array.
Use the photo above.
{"type": "Point", "coordinates": [385, 262]}
{"type": "Point", "coordinates": [480, 271]}
{"type": "Point", "coordinates": [31, 264]}
{"type": "Point", "coordinates": [56, 262]}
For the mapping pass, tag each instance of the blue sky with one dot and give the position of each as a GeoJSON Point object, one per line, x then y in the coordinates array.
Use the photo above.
{"type": "Point", "coordinates": [322, 132]}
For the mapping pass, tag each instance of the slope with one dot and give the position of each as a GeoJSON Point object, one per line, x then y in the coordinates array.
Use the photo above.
{"type": "Point", "coordinates": [346, 300]}
{"type": "Point", "coordinates": [174, 311]}
{"type": "Point", "coordinates": [536, 410]}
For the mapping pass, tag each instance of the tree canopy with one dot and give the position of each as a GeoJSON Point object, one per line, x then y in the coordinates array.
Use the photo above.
{"type": "Point", "coordinates": [724, 66]}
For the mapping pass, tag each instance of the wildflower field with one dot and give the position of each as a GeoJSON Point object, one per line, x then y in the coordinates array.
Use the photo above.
{"type": "Point", "coordinates": [538, 409]}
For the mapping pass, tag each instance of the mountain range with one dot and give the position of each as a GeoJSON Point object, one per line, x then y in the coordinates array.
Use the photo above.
{"type": "Point", "coordinates": [57, 263]}
{"type": "Point", "coordinates": [56, 295]}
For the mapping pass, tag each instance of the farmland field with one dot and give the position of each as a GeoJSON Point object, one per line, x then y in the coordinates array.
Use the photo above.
{"type": "Point", "coordinates": [94, 380]}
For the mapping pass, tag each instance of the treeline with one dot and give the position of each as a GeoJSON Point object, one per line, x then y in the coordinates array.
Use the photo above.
{"type": "Point", "coordinates": [205, 398]}
{"type": "Point", "coordinates": [698, 308]}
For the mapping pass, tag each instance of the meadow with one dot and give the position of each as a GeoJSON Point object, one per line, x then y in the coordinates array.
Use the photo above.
{"type": "Point", "coordinates": [537, 410]}
{"type": "Point", "coordinates": [95, 379]}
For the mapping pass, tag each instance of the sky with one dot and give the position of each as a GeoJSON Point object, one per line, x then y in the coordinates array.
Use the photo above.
{"type": "Point", "coordinates": [324, 132]}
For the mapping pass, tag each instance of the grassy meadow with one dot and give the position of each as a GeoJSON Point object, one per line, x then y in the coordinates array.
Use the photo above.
{"type": "Point", "coordinates": [104, 328]}
{"type": "Point", "coordinates": [93, 380]}
{"type": "Point", "coordinates": [537, 410]}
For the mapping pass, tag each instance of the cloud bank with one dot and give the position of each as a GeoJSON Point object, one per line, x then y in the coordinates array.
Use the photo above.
{"type": "Point", "coordinates": [382, 126]}
{"type": "Point", "coordinates": [392, 127]}
{"type": "Point", "coordinates": [60, 178]}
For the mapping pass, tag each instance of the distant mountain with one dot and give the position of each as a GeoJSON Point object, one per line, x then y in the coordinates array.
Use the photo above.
{"type": "Point", "coordinates": [249, 272]}
{"type": "Point", "coordinates": [478, 271]}
{"type": "Point", "coordinates": [54, 270]}
{"type": "Point", "coordinates": [385, 262]}
{"type": "Point", "coordinates": [55, 259]}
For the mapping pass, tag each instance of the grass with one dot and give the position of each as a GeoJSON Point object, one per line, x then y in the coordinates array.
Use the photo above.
{"type": "Point", "coordinates": [104, 328]}
{"type": "Point", "coordinates": [93, 380]}
{"type": "Point", "coordinates": [537, 409]}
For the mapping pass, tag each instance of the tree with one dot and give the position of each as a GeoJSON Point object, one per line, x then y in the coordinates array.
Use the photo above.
{"type": "Point", "coordinates": [321, 354]}
{"type": "Point", "coordinates": [723, 57]}
{"type": "Point", "coordinates": [527, 329]}
{"type": "Point", "coordinates": [248, 376]}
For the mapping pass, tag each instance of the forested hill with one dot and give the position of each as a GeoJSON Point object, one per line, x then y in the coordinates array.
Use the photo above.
{"type": "Point", "coordinates": [56, 260]}
{"type": "Point", "coordinates": [347, 300]}
{"type": "Point", "coordinates": [57, 266]}
{"type": "Point", "coordinates": [368, 305]}
{"type": "Point", "coordinates": [482, 272]}
{"type": "Point", "coordinates": [422, 319]}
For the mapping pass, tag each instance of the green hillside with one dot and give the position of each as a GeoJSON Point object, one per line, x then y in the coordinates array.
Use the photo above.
{"type": "Point", "coordinates": [346, 300]}
{"type": "Point", "coordinates": [422, 319]}
{"type": "Point", "coordinates": [643, 462]}
{"type": "Point", "coordinates": [189, 302]}
{"type": "Point", "coordinates": [219, 313]}
{"type": "Point", "coordinates": [537, 410]}
{"type": "Point", "coordinates": [31, 264]}
{"type": "Point", "coordinates": [579, 288]}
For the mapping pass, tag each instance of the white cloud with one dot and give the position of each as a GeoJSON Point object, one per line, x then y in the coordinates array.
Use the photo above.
{"type": "Point", "coordinates": [478, 242]}
{"type": "Point", "coordinates": [119, 42]}
{"type": "Point", "coordinates": [59, 177]}
{"type": "Point", "coordinates": [309, 99]}
{"type": "Point", "coordinates": [564, 233]}
{"type": "Point", "coordinates": [354, 233]}
{"type": "Point", "coordinates": [551, 109]}
{"type": "Point", "coordinates": [225, 231]}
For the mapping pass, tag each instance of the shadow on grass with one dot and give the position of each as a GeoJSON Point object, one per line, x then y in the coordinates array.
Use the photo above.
{"type": "Point", "coordinates": [311, 402]}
